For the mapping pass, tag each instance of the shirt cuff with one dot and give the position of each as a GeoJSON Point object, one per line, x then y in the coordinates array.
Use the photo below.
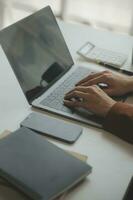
{"type": "Point", "coordinates": [119, 121]}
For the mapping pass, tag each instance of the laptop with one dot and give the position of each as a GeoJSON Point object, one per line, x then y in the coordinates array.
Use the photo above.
{"type": "Point", "coordinates": [42, 63]}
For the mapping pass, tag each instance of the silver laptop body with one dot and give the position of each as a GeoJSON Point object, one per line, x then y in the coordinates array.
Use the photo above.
{"type": "Point", "coordinates": [41, 61]}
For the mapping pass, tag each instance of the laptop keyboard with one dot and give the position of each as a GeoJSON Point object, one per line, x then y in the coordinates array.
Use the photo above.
{"type": "Point", "coordinates": [55, 99]}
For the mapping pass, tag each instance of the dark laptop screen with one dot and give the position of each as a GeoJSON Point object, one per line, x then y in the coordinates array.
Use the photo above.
{"type": "Point", "coordinates": [36, 51]}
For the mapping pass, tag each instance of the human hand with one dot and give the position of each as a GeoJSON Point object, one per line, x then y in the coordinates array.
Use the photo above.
{"type": "Point", "coordinates": [117, 84]}
{"type": "Point", "coordinates": [91, 98]}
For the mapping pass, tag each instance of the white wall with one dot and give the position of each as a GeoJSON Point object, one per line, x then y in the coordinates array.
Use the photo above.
{"type": "Point", "coordinates": [115, 15]}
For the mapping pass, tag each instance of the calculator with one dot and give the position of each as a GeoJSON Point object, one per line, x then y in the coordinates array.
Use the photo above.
{"type": "Point", "coordinates": [102, 56]}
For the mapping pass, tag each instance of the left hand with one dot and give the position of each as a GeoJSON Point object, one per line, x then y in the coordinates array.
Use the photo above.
{"type": "Point", "coordinates": [91, 98]}
{"type": "Point", "coordinates": [116, 84]}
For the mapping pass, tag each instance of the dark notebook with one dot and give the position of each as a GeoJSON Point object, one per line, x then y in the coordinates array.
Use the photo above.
{"type": "Point", "coordinates": [37, 167]}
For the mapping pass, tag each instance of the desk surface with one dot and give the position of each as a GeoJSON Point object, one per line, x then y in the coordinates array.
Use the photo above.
{"type": "Point", "coordinates": [111, 158]}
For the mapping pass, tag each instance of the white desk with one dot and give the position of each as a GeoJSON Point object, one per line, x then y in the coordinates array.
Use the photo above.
{"type": "Point", "coordinates": [111, 158]}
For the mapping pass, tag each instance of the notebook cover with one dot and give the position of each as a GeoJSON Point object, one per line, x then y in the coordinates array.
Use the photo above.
{"type": "Point", "coordinates": [37, 167]}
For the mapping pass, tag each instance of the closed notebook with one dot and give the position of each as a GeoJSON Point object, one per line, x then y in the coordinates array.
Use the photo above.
{"type": "Point", "coordinates": [38, 168]}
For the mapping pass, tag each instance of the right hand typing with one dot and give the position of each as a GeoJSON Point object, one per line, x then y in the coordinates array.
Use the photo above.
{"type": "Point", "coordinates": [91, 98]}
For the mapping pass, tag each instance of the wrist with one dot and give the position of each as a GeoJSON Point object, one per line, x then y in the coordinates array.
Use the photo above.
{"type": "Point", "coordinates": [130, 84]}
{"type": "Point", "coordinates": [108, 106]}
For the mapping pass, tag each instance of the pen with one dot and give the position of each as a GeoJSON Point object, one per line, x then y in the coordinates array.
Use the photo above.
{"type": "Point", "coordinates": [108, 65]}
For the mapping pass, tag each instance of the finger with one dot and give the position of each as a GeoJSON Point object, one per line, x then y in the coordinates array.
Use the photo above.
{"type": "Point", "coordinates": [76, 95]}
{"type": "Point", "coordinates": [96, 81]}
{"type": "Point", "coordinates": [90, 76]}
{"type": "Point", "coordinates": [69, 92]}
{"type": "Point", "coordinates": [80, 89]}
{"type": "Point", "coordinates": [72, 103]}
{"type": "Point", "coordinates": [77, 88]}
{"type": "Point", "coordinates": [83, 89]}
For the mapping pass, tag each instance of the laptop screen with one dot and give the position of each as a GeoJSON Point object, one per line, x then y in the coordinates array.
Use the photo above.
{"type": "Point", "coordinates": [36, 51]}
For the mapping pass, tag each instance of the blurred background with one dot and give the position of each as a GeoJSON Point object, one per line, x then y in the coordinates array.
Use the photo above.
{"type": "Point", "coordinates": [114, 15]}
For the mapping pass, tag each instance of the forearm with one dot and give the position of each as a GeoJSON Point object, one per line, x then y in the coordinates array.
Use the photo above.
{"type": "Point", "coordinates": [119, 121]}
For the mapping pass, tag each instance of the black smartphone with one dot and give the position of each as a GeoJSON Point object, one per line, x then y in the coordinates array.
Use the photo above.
{"type": "Point", "coordinates": [52, 127]}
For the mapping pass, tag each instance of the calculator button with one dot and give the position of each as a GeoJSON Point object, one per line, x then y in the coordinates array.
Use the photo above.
{"type": "Point", "coordinates": [84, 50]}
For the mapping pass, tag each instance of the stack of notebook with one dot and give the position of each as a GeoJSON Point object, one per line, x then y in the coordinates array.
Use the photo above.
{"type": "Point", "coordinates": [38, 168]}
